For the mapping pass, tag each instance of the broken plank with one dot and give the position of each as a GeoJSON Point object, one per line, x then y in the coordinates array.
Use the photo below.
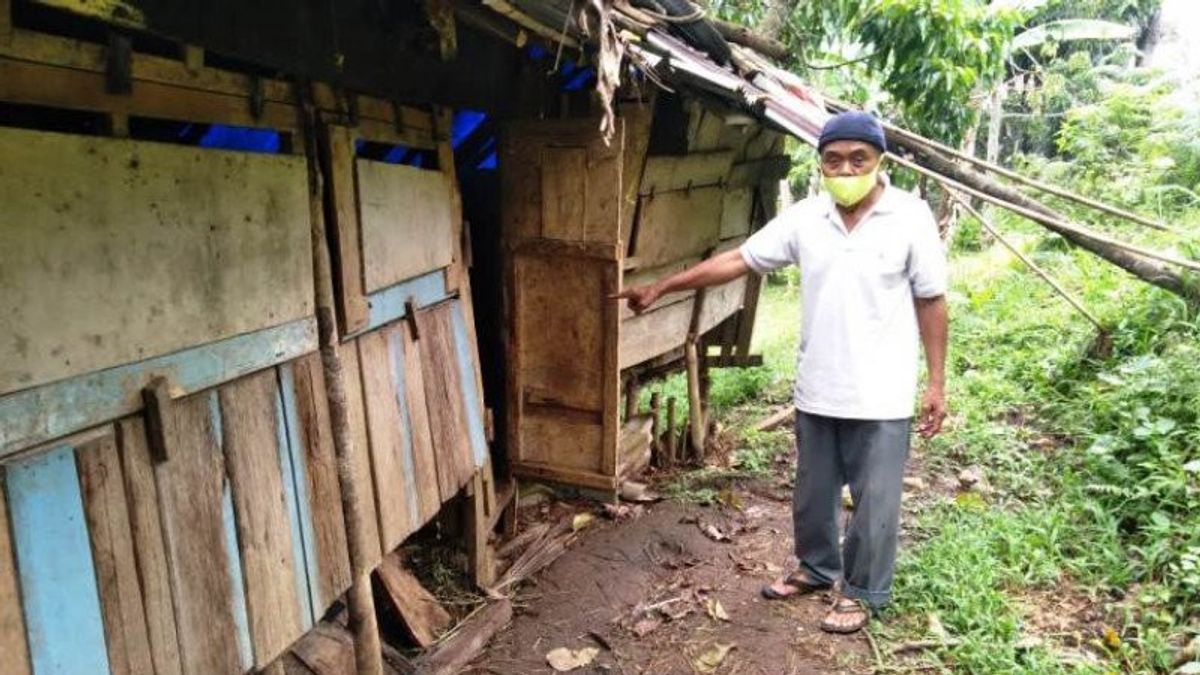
{"type": "Point", "coordinates": [107, 513]}
{"type": "Point", "coordinates": [468, 640]}
{"type": "Point", "coordinates": [146, 529]}
{"type": "Point", "coordinates": [250, 439]}
{"type": "Point", "coordinates": [423, 616]}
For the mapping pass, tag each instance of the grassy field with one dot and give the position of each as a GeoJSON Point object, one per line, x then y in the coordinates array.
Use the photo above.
{"type": "Point", "coordinates": [1090, 447]}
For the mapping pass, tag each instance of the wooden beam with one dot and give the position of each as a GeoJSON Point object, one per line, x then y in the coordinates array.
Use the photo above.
{"type": "Point", "coordinates": [423, 616]}
{"type": "Point", "coordinates": [468, 640]}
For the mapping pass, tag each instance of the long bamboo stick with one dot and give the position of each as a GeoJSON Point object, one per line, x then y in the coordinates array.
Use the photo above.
{"type": "Point", "coordinates": [1042, 186]}
{"type": "Point", "coordinates": [987, 225]}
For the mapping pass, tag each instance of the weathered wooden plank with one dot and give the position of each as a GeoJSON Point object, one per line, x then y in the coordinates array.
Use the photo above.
{"type": "Point", "coordinates": [736, 209]}
{"type": "Point", "coordinates": [191, 489]}
{"type": "Point", "coordinates": [388, 304]}
{"type": "Point", "coordinates": [57, 578]}
{"type": "Point", "coordinates": [387, 444]}
{"type": "Point", "coordinates": [361, 461]}
{"type": "Point", "coordinates": [327, 650]}
{"type": "Point", "coordinates": [250, 438]}
{"type": "Point", "coordinates": [39, 414]}
{"type": "Point", "coordinates": [678, 224]}
{"type": "Point", "coordinates": [107, 514]}
{"type": "Point", "coordinates": [12, 621]}
{"type": "Point", "coordinates": [423, 616]}
{"type": "Point", "coordinates": [344, 225]}
{"type": "Point", "coordinates": [295, 493]}
{"type": "Point", "coordinates": [443, 398]}
{"type": "Point", "coordinates": [638, 118]}
{"type": "Point", "coordinates": [407, 224]}
{"type": "Point", "coordinates": [396, 359]}
{"type": "Point", "coordinates": [753, 172]}
{"type": "Point", "coordinates": [647, 335]}
{"type": "Point", "coordinates": [425, 470]}
{"type": "Point", "coordinates": [664, 173]}
{"type": "Point", "coordinates": [146, 530]}
{"type": "Point", "coordinates": [212, 244]}
{"type": "Point", "coordinates": [564, 192]}
{"type": "Point", "coordinates": [466, 356]}
{"type": "Point", "coordinates": [331, 576]}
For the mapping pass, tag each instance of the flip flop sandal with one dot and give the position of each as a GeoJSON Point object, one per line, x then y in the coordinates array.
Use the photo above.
{"type": "Point", "coordinates": [803, 587]}
{"type": "Point", "coordinates": [844, 605]}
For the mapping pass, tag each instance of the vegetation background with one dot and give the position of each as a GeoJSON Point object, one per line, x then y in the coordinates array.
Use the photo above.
{"type": "Point", "coordinates": [1087, 441]}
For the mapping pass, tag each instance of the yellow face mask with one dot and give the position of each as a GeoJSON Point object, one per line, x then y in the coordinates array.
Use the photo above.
{"type": "Point", "coordinates": [850, 190]}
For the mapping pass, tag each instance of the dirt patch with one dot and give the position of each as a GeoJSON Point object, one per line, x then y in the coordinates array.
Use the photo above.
{"type": "Point", "coordinates": [657, 592]}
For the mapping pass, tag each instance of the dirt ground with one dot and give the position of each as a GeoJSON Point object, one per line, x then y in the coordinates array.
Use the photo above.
{"type": "Point", "coordinates": [655, 594]}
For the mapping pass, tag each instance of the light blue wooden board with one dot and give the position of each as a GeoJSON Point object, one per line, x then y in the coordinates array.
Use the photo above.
{"type": "Point", "coordinates": [54, 558]}
{"type": "Point", "coordinates": [387, 305]}
{"type": "Point", "coordinates": [466, 368]}
{"type": "Point", "coordinates": [295, 493]}
{"type": "Point", "coordinates": [41, 414]}
{"type": "Point", "coordinates": [407, 463]}
{"type": "Point", "coordinates": [238, 586]}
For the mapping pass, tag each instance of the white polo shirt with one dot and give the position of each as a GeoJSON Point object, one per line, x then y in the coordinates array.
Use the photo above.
{"type": "Point", "coordinates": [859, 344]}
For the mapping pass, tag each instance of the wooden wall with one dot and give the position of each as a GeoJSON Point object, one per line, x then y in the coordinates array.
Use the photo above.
{"type": "Point", "coordinates": [208, 536]}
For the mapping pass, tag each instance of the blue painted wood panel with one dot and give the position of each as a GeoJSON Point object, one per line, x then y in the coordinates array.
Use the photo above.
{"type": "Point", "coordinates": [232, 552]}
{"type": "Point", "coordinates": [465, 352]}
{"type": "Point", "coordinates": [407, 463]}
{"type": "Point", "coordinates": [54, 559]}
{"type": "Point", "coordinates": [295, 494]}
{"type": "Point", "coordinates": [387, 305]}
{"type": "Point", "coordinates": [57, 409]}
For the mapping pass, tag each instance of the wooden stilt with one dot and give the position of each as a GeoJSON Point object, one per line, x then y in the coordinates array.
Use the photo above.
{"type": "Point", "coordinates": [655, 431]}
{"type": "Point", "coordinates": [670, 453]}
{"type": "Point", "coordinates": [479, 548]}
{"type": "Point", "coordinates": [695, 405]}
{"type": "Point", "coordinates": [363, 623]}
{"type": "Point", "coordinates": [633, 390]}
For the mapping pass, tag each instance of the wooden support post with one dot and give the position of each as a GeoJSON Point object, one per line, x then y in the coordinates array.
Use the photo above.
{"type": "Point", "coordinates": [363, 622]}
{"type": "Point", "coordinates": [633, 391]}
{"type": "Point", "coordinates": [479, 548]}
{"type": "Point", "coordinates": [670, 453]}
{"type": "Point", "coordinates": [655, 431]}
{"type": "Point", "coordinates": [691, 357]}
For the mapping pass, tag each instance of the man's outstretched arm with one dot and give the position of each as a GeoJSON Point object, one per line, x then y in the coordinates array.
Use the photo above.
{"type": "Point", "coordinates": [716, 270]}
{"type": "Point", "coordinates": [933, 323]}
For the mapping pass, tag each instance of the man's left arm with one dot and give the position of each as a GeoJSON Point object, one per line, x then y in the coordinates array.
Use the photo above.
{"type": "Point", "coordinates": [933, 323]}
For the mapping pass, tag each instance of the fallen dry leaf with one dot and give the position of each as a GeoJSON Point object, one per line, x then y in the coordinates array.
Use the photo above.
{"type": "Point", "coordinates": [563, 659]}
{"type": "Point", "coordinates": [581, 520]}
{"type": "Point", "coordinates": [716, 610]}
{"type": "Point", "coordinates": [733, 500]}
{"type": "Point", "coordinates": [713, 532]}
{"type": "Point", "coordinates": [711, 658]}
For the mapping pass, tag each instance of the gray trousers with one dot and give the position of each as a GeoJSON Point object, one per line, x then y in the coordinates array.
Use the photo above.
{"type": "Point", "coordinates": [869, 456]}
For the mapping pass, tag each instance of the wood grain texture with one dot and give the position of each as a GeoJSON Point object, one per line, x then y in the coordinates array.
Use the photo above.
{"type": "Point", "coordinates": [12, 620]}
{"type": "Point", "coordinates": [423, 617]}
{"type": "Point", "coordinates": [360, 462]}
{"type": "Point", "coordinates": [146, 530]}
{"type": "Point", "coordinates": [213, 244]}
{"type": "Point", "coordinates": [736, 208]}
{"type": "Point", "coordinates": [425, 470]}
{"type": "Point", "coordinates": [664, 173]}
{"type": "Point", "coordinates": [384, 427]}
{"type": "Point", "coordinates": [106, 509]}
{"type": "Point", "coordinates": [406, 220]}
{"type": "Point", "coordinates": [564, 192]}
{"type": "Point", "coordinates": [657, 332]}
{"type": "Point", "coordinates": [338, 159]}
{"type": "Point", "coordinates": [443, 399]}
{"type": "Point", "coordinates": [637, 118]}
{"type": "Point", "coordinates": [250, 440]}
{"type": "Point", "coordinates": [190, 488]}
{"type": "Point", "coordinates": [332, 574]}
{"type": "Point", "coordinates": [678, 224]}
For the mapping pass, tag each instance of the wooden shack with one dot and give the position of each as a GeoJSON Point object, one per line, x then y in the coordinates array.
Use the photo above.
{"type": "Point", "coordinates": [241, 358]}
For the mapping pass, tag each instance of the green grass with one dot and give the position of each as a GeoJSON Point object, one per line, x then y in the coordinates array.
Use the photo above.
{"type": "Point", "coordinates": [1093, 449]}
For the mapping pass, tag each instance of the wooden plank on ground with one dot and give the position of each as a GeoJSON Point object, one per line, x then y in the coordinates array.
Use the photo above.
{"type": "Point", "coordinates": [212, 244]}
{"type": "Point", "coordinates": [107, 512]}
{"type": "Point", "coordinates": [191, 492]}
{"type": "Point", "coordinates": [423, 616]}
{"type": "Point", "coordinates": [326, 650]}
{"type": "Point", "coordinates": [361, 460]}
{"type": "Point", "coordinates": [664, 173]}
{"type": "Point", "coordinates": [407, 225]}
{"type": "Point", "coordinates": [146, 530]}
{"type": "Point", "coordinates": [331, 577]}
{"type": "Point", "coordinates": [677, 224]}
{"type": "Point", "coordinates": [469, 640]}
{"type": "Point", "coordinates": [251, 444]}
{"type": "Point", "coordinates": [443, 399]}
{"type": "Point", "coordinates": [425, 470]}
{"type": "Point", "coordinates": [12, 621]}
{"type": "Point", "coordinates": [59, 594]}
{"type": "Point", "coordinates": [387, 444]}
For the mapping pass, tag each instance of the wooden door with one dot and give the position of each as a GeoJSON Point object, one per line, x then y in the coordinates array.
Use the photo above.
{"type": "Point", "coordinates": [562, 208]}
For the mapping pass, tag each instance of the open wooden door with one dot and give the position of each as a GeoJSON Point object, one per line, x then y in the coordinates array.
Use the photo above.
{"type": "Point", "coordinates": [562, 207]}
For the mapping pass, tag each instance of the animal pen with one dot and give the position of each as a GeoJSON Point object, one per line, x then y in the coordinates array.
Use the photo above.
{"type": "Point", "coordinates": [251, 343]}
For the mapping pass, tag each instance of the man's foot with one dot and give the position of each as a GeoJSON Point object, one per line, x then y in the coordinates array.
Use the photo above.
{"type": "Point", "coordinates": [796, 583]}
{"type": "Point", "coordinates": [846, 615]}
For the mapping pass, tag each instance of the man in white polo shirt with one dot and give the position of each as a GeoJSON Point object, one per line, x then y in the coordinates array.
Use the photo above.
{"type": "Point", "coordinates": [873, 280]}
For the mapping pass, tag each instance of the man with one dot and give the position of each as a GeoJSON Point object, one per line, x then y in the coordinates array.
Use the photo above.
{"type": "Point", "coordinates": [873, 278]}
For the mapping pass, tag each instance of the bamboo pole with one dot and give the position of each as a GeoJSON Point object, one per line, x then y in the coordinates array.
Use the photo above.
{"type": "Point", "coordinates": [361, 604]}
{"type": "Point", "coordinates": [1048, 188]}
{"type": "Point", "coordinates": [987, 225]}
{"type": "Point", "coordinates": [695, 411]}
